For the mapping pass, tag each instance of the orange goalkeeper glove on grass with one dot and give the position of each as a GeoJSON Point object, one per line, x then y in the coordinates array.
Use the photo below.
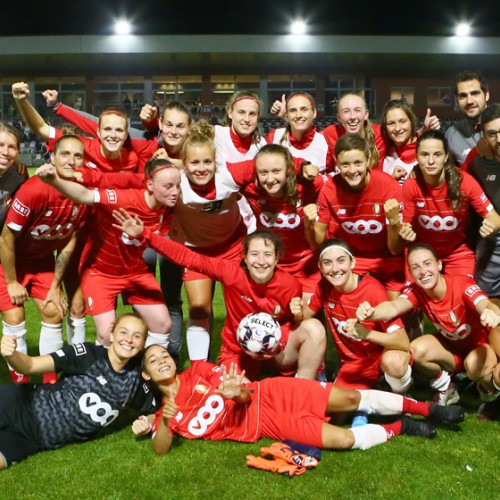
{"type": "Point", "coordinates": [284, 452]}
{"type": "Point", "coordinates": [279, 466]}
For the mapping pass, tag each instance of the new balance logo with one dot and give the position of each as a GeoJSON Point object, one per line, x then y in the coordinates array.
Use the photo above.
{"type": "Point", "coordinates": [420, 204]}
{"type": "Point", "coordinates": [341, 211]}
{"type": "Point", "coordinates": [491, 177]}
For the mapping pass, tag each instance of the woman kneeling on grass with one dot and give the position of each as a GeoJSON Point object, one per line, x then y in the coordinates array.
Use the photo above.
{"type": "Point", "coordinates": [209, 402]}
{"type": "Point", "coordinates": [97, 385]}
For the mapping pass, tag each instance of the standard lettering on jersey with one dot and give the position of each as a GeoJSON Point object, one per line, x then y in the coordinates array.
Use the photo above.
{"type": "Point", "coordinates": [55, 232]}
{"type": "Point", "coordinates": [279, 220]}
{"type": "Point", "coordinates": [363, 226]}
{"type": "Point", "coordinates": [471, 290]}
{"type": "Point", "coordinates": [99, 411]}
{"type": "Point", "coordinates": [460, 333]}
{"type": "Point", "coordinates": [436, 223]}
{"type": "Point", "coordinates": [206, 415]}
{"type": "Point", "coordinates": [21, 209]}
{"type": "Point", "coordinates": [111, 195]}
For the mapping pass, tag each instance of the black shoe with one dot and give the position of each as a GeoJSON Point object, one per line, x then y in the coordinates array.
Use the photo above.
{"type": "Point", "coordinates": [412, 427]}
{"type": "Point", "coordinates": [489, 411]}
{"type": "Point", "coordinates": [450, 414]}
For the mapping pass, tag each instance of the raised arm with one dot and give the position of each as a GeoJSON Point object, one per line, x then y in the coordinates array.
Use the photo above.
{"type": "Point", "coordinates": [315, 231]}
{"type": "Point", "coordinates": [385, 311]}
{"type": "Point", "coordinates": [23, 363]}
{"type": "Point", "coordinates": [392, 214]}
{"type": "Point", "coordinates": [21, 92]}
{"type": "Point", "coordinates": [72, 190]}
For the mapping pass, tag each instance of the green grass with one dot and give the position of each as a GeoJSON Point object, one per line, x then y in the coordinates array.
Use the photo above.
{"type": "Point", "coordinates": [120, 467]}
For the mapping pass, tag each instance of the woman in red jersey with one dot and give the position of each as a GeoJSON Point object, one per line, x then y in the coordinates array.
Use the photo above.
{"type": "Point", "coordinates": [437, 204]}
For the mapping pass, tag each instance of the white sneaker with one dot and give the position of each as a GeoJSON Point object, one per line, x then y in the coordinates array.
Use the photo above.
{"type": "Point", "coordinates": [448, 397]}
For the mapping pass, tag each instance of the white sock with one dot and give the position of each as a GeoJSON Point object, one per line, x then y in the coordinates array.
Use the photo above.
{"type": "Point", "coordinates": [75, 330]}
{"type": "Point", "coordinates": [441, 382]}
{"type": "Point", "coordinates": [400, 385]}
{"type": "Point", "coordinates": [198, 339]}
{"type": "Point", "coordinates": [380, 402]}
{"type": "Point", "coordinates": [51, 338]}
{"type": "Point", "coordinates": [496, 386]}
{"type": "Point", "coordinates": [367, 436]}
{"type": "Point", "coordinates": [157, 338]}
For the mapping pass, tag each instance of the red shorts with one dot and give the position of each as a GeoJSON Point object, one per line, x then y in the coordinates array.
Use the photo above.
{"type": "Point", "coordinates": [101, 291]}
{"type": "Point", "coordinates": [294, 408]}
{"type": "Point", "coordinates": [360, 374]}
{"type": "Point", "coordinates": [35, 275]}
{"type": "Point", "coordinates": [390, 271]}
{"type": "Point", "coordinates": [234, 252]}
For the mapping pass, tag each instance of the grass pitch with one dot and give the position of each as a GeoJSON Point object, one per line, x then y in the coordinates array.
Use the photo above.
{"type": "Point", "coordinates": [461, 463]}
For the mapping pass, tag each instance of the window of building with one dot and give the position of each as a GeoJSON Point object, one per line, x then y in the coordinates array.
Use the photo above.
{"type": "Point", "coordinates": [439, 96]}
{"type": "Point", "coordinates": [406, 93]}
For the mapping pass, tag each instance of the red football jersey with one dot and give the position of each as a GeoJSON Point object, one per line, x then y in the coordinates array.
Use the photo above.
{"type": "Point", "coordinates": [242, 295]}
{"type": "Point", "coordinates": [109, 251]}
{"type": "Point", "coordinates": [340, 306]}
{"type": "Point", "coordinates": [44, 218]}
{"type": "Point", "coordinates": [205, 414]}
{"type": "Point", "coordinates": [359, 217]}
{"type": "Point", "coordinates": [287, 221]}
{"type": "Point", "coordinates": [455, 315]}
{"type": "Point", "coordinates": [434, 221]}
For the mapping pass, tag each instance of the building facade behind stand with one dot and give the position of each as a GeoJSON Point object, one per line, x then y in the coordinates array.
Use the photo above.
{"type": "Point", "coordinates": [93, 73]}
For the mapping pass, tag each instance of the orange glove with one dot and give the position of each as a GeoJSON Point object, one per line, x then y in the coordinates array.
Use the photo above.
{"type": "Point", "coordinates": [279, 466]}
{"type": "Point", "coordinates": [284, 452]}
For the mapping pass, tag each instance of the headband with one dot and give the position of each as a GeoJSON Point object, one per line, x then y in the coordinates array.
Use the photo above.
{"type": "Point", "coordinates": [151, 175]}
{"type": "Point", "coordinates": [335, 246]}
{"type": "Point", "coordinates": [245, 97]}
{"type": "Point", "coordinates": [313, 104]}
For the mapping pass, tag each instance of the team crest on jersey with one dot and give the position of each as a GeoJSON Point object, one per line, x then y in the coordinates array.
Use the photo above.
{"type": "Point", "coordinates": [111, 195]}
{"type": "Point", "coordinates": [74, 212]}
{"type": "Point", "coordinates": [21, 209]}
{"type": "Point", "coordinates": [376, 209]}
{"type": "Point", "coordinates": [201, 389]}
{"type": "Point", "coordinates": [244, 297]}
{"type": "Point", "coordinates": [48, 213]}
{"type": "Point", "coordinates": [298, 204]}
{"type": "Point", "coordinates": [420, 204]}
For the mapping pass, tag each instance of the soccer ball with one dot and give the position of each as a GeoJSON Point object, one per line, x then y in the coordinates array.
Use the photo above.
{"type": "Point", "coordinates": [259, 334]}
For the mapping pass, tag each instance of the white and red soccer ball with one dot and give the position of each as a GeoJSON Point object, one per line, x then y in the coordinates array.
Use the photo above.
{"type": "Point", "coordinates": [259, 334]}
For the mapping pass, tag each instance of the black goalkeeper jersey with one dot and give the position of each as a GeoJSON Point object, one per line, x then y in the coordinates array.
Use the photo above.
{"type": "Point", "coordinates": [89, 395]}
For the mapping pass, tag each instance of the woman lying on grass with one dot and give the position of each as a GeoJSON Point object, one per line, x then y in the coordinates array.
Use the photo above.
{"type": "Point", "coordinates": [209, 402]}
{"type": "Point", "coordinates": [97, 385]}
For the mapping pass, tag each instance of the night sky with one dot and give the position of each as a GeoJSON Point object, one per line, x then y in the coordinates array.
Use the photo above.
{"type": "Point", "coordinates": [330, 17]}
